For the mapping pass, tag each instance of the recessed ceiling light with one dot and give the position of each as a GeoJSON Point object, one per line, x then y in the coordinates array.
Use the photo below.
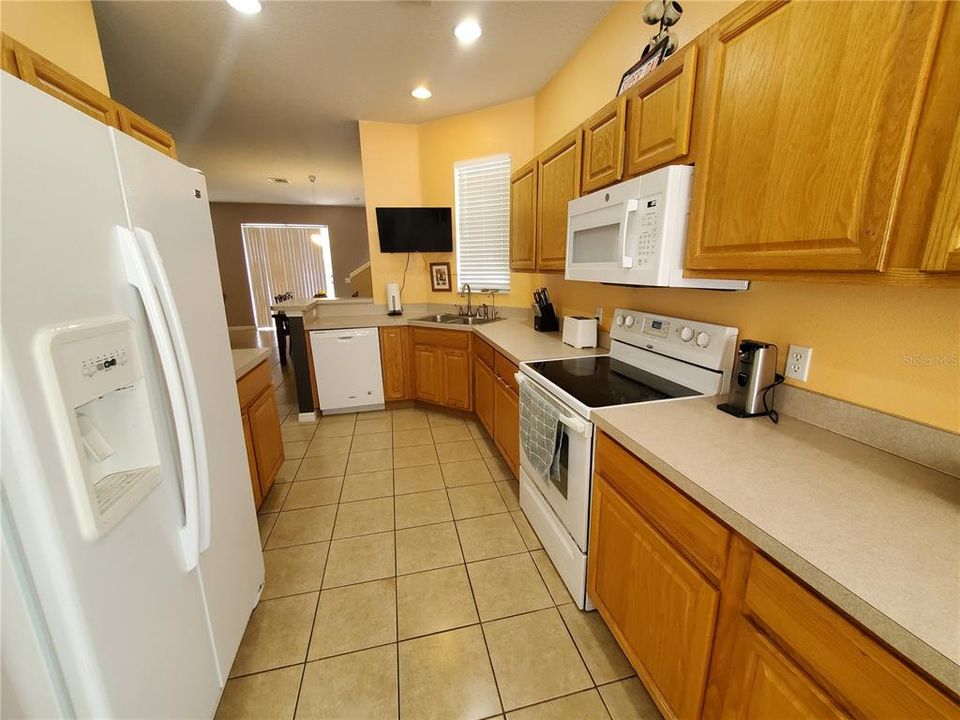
{"type": "Point", "coordinates": [468, 32]}
{"type": "Point", "coordinates": [247, 7]}
{"type": "Point", "coordinates": [421, 93]}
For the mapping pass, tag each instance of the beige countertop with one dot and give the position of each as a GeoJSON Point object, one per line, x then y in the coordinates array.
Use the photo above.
{"type": "Point", "coordinates": [876, 534]}
{"type": "Point", "coordinates": [513, 337]}
{"type": "Point", "coordinates": [246, 359]}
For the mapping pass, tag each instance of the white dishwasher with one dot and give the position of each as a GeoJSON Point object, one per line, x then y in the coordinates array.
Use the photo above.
{"type": "Point", "coordinates": [347, 367]}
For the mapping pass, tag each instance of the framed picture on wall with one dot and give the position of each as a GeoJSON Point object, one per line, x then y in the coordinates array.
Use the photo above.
{"type": "Point", "coordinates": [440, 277]}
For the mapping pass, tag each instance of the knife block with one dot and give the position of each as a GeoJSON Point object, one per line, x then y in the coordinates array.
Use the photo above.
{"type": "Point", "coordinates": [545, 319]}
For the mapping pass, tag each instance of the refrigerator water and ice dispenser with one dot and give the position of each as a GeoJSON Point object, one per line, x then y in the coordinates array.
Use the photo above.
{"type": "Point", "coordinates": [100, 407]}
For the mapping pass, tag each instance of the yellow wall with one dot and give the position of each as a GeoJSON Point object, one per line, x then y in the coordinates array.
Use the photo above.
{"type": "Point", "coordinates": [63, 32]}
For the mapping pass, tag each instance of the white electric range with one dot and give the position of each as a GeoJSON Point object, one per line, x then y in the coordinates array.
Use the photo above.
{"type": "Point", "coordinates": [653, 358]}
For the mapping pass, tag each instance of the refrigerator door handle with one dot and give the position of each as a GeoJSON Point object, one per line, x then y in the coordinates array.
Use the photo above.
{"type": "Point", "coordinates": [169, 306]}
{"type": "Point", "coordinates": [139, 276]}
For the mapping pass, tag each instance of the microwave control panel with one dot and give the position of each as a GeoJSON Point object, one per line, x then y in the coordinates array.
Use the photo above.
{"type": "Point", "coordinates": [648, 227]}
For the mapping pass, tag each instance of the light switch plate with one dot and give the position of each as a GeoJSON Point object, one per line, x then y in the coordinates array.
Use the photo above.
{"type": "Point", "coordinates": [798, 362]}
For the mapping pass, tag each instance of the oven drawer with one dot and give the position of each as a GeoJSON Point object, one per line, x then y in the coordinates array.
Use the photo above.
{"type": "Point", "coordinates": [693, 530]}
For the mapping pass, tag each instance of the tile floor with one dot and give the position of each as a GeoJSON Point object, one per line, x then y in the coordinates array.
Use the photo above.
{"type": "Point", "coordinates": [403, 580]}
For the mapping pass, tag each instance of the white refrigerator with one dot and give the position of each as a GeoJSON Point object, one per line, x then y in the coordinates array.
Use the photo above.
{"type": "Point", "coordinates": [130, 551]}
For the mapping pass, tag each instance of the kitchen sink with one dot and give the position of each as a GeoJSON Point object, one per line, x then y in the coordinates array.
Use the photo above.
{"type": "Point", "coordinates": [453, 319]}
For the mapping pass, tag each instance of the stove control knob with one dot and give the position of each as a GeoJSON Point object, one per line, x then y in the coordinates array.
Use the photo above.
{"type": "Point", "coordinates": [619, 320]}
{"type": "Point", "coordinates": [703, 340]}
{"type": "Point", "coordinates": [629, 321]}
{"type": "Point", "coordinates": [686, 333]}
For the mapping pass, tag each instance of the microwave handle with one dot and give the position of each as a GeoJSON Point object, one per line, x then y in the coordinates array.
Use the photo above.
{"type": "Point", "coordinates": [629, 206]}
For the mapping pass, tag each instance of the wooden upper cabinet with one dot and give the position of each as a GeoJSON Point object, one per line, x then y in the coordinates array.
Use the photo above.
{"type": "Point", "coordinates": [395, 363]}
{"type": "Point", "coordinates": [660, 113]}
{"type": "Point", "coordinates": [603, 146]}
{"type": "Point", "coordinates": [523, 217]}
{"type": "Point", "coordinates": [808, 118]}
{"type": "Point", "coordinates": [558, 184]}
{"type": "Point", "coordinates": [146, 132]}
{"type": "Point", "coordinates": [942, 251]}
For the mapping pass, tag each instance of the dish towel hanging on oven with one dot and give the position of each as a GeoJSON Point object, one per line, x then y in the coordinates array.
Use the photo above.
{"type": "Point", "coordinates": [540, 431]}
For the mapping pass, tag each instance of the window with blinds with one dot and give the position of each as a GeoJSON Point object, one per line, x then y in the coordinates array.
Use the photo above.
{"type": "Point", "coordinates": [482, 207]}
{"type": "Point", "coordinates": [286, 258]}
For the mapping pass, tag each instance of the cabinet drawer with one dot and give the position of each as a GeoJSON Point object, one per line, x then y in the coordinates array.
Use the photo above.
{"type": "Point", "coordinates": [441, 338]}
{"type": "Point", "coordinates": [506, 370]}
{"type": "Point", "coordinates": [252, 384]}
{"type": "Point", "coordinates": [854, 668]}
{"type": "Point", "coordinates": [484, 351]}
{"type": "Point", "coordinates": [704, 539]}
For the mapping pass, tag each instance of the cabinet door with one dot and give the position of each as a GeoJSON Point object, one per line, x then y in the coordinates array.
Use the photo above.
{"type": "Point", "coordinates": [54, 80]}
{"type": "Point", "coordinates": [942, 251]}
{"type": "Point", "coordinates": [146, 132]}
{"type": "Point", "coordinates": [395, 362]}
{"type": "Point", "coordinates": [603, 146]}
{"type": "Point", "coordinates": [267, 440]}
{"type": "Point", "coordinates": [523, 217]}
{"type": "Point", "coordinates": [483, 383]}
{"type": "Point", "coordinates": [660, 608]}
{"type": "Point", "coordinates": [455, 371]}
{"type": "Point", "coordinates": [660, 114]}
{"type": "Point", "coordinates": [764, 683]}
{"type": "Point", "coordinates": [252, 461]}
{"type": "Point", "coordinates": [506, 424]}
{"type": "Point", "coordinates": [558, 184]}
{"type": "Point", "coordinates": [426, 373]}
{"type": "Point", "coordinates": [802, 153]}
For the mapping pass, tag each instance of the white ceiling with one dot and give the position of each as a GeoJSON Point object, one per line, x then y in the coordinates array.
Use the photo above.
{"type": "Point", "coordinates": [280, 93]}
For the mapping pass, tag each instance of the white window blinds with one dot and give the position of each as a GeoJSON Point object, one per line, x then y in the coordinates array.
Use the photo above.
{"type": "Point", "coordinates": [482, 203]}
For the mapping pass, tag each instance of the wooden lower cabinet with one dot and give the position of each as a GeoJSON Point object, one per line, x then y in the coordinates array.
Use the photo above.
{"type": "Point", "coordinates": [442, 367]}
{"type": "Point", "coordinates": [455, 376]}
{"type": "Point", "coordinates": [252, 461]}
{"type": "Point", "coordinates": [261, 429]}
{"type": "Point", "coordinates": [484, 382]}
{"type": "Point", "coordinates": [395, 363]}
{"type": "Point", "coordinates": [506, 423]}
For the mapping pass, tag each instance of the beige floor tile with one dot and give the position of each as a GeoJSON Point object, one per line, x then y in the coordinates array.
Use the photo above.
{"type": "Point", "coordinates": [475, 500]}
{"type": "Point", "coordinates": [327, 430]}
{"type": "Point", "coordinates": [629, 700]}
{"type": "Point", "coordinates": [364, 486]}
{"type": "Point", "coordinates": [510, 492]}
{"type": "Point", "coordinates": [292, 416]}
{"type": "Point", "coordinates": [558, 591]}
{"type": "Point", "coordinates": [277, 634]}
{"type": "Point", "coordinates": [498, 468]}
{"type": "Point", "coordinates": [585, 705]}
{"type": "Point", "coordinates": [526, 532]}
{"type": "Point", "coordinates": [293, 450]}
{"type": "Point", "coordinates": [409, 438]}
{"type": "Point", "coordinates": [354, 617]}
{"type": "Point", "coordinates": [441, 419]}
{"type": "Point", "coordinates": [433, 601]}
{"type": "Point", "coordinates": [476, 429]}
{"type": "Point", "coordinates": [293, 433]}
{"type": "Point", "coordinates": [366, 427]}
{"type": "Point", "coordinates": [449, 433]}
{"type": "Point", "coordinates": [489, 536]}
{"type": "Point", "coordinates": [417, 479]}
{"type": "Point", "coordinates": [604, 659]}
{"type": "Point", "coordinates": [372, 441]}
{"type": "Point", "coordinates": [507, 586]}
{"type": "Point", "coordinates": [360, 559]}
{"type": "Point", "coordinates": [293, 570]}
{"type": "Point", "coordinates": [287, 471]}
{"type": "Point", "coordinates": [299, 527]}
{"type": "Point", "coordinates": [487, 448]}
{"type": "Point", "coordinates": [414, 420]}
{"type": "Point", "coordinates": [465, 472]}
{"type": "Point", "coordinates": [422, 508]}
{"type": "Point", "coordinates": [321, 446]}
{"type": "Point", "coordinates": [427, 547]}
{"type": "Point", "coordinates": [312, 493]}
{"type": "Point", "coordinates": [320, 467]}
{"type": "Point", "coordinates": [274, 499]}
{"type": "Point", "coordinates": [264, 696]}
{"type": "Point", "coordinates": [459, 450]}
{"type": "Point", "coordinates": [266, 523]}
{"type": "Point", "coordinates": [359, 685]}
{"type": "Point", "coordinates": [447, 676]}
{"type": "Point", "coordinates": [413, 456]}
{"type": "Point", "coordinates": [374, 415]}
{"type": "Point", "coordinates": [534, 658]}
{"type": "Point", "coordinates": [364, 517]}
{"type": "Point", "coordinates": [370, 461]}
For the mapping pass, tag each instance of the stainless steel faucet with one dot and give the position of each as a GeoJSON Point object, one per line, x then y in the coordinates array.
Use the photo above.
{"type": "Point", "coordinates": [465, 288]}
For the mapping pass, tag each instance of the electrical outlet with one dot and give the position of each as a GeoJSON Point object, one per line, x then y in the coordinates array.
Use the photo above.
{"type": "Point", "coordinates": [798, 362]}
{"type": "Point", "coordinates": [598, 314]}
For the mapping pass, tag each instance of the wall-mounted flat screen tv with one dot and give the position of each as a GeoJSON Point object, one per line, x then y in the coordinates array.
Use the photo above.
{"type": "Point", "coordinates": [415, 229]}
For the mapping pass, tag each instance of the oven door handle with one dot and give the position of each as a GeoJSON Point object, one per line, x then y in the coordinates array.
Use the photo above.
{"type": "Point", "coordinates": [575, 424]}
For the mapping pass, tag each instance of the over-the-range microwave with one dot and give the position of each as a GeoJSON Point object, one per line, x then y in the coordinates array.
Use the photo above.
{"type": "Point", "coordinates": [634, 233]}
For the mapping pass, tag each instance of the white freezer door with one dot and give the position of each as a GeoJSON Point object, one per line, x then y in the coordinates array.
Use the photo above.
{"type": "Point", "coordinates": [126, 622]}
{"type": "Point", "coordinates": [347, 368]}
{"type": "Point", "coordinates": [167, 201]}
